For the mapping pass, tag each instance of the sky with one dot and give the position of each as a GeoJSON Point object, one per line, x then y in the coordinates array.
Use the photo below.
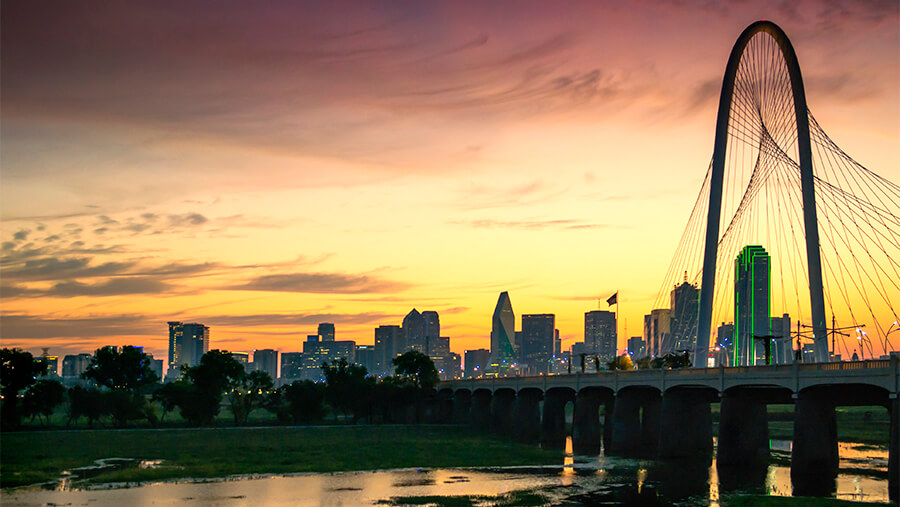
{"type": "Point", "coordinates": [261, 168]}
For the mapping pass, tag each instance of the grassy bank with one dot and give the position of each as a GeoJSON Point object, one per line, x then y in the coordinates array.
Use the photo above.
{"type": "Point", "coordinates": [32, 457]}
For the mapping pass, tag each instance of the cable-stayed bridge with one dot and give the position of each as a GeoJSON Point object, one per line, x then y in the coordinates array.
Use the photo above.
{"type": "Point", "coordinates": [785, 223]}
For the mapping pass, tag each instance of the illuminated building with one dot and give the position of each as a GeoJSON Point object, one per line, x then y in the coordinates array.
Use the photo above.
{"type": "Point", "coordinates": [751, 305]}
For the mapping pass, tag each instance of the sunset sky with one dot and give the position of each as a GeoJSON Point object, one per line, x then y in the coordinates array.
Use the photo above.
{"type": "Point", "coordinates": [262, 167]}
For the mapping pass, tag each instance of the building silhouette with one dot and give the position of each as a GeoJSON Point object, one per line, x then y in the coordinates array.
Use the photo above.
{"type": "Point", "coordinates": [600, 336]}
{"type": "Point", "coordinates": [537, 342]}
{"type": "Point", "coordinates": [751, 305]}
{"type": "Point", "coordinates": [657, 338]}
{"type": "Point", "coordinates": [389, 343]}
{"type": "Point", "coordinates": [266, 360]}
{"type": "Point", "coordinates": [454, 368]}
{"type": "Point", "coordinates": [725, 343]}
{"type": "Point", "coordinates": [636, 347]}
{"type": "Point", "coordinates": [432, 330]}
{"type": "Point", "coordinates": [291, 367]}
{"type": "Point", "coordinates": [477, 362]}
{"type": "Point", "coordinates": [187, 344]}
{"type": "Point", "coordinates": [503, 336]}
{"type": "Point", "coordinates": [414, 332]}
{"type": "Point", "coordinates": [326, 332]}
{"type": "Point", "coordinates": [782, 347]}
{"type": "Point", "coordinates": [365, 357]}
{"type": "Point", "coordinates": [316, 353]}
{"type": "Point", "coordinates": [73, 365]}
{"type": "Point", "coordinates": [684, 316]}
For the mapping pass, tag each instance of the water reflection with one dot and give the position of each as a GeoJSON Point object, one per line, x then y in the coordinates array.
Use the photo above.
{"type": "Point", "coordinates": [579, 479]}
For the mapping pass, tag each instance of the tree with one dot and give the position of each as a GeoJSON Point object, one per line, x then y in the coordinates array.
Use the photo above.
{"type": "Point", "coordinates": [304, 402]}
{"type": "Point", "coordinates": [18, 370]}
{"type": "Point", "coordinates": [417, 368]}
{"type": "Point", "coordinates": [41, 398]}
{"type": "Point", "coordinates": [250, 393]}
{"type": "Point", "coordinates": [622, 362]}
{"type": "Point", "coordinates": [217, 373]}
{"type": "Point", "coordinates": [346, 388]}
{"type": "Point", "coordinates": [127, 374]}
{"type": "Point", "coordinates": [172, 395]}
{"type": "Point", "coordinates": [90, 403]}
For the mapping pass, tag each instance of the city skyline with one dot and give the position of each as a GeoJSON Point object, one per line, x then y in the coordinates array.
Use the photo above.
{"type": "Point", "coordinates": [125, 210]}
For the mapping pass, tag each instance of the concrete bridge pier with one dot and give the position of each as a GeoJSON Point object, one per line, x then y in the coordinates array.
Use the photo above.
{"type": "Point", "coordinates": [609, 407]}
{"type": "Point", "coordinates": [527, 425]}
{"type": "Point", "coordinates": [462, 405]}
{"type": "Point", "coordinates": [894, 451]}
{"type": "Point", "coordinates": [814, 452]}
{"type": "Point", "coordinates": [743, 429]}
{"type": "Point", "coordinates": [586, 433]}
{"type": "Point", "coordinates": [481, 409]}
{"type": "Point", "coordinates": [686, 421]}
{"type": "Point", "coordinates": [635, 422]}
{"type": "Point", "coordinates": [502, 411]}
{"type": "Point", "coordinates": [553, 421]}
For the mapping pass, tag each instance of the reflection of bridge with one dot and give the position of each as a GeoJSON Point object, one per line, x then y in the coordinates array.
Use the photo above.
{"type": "Point", "coordinates": [666, 413]}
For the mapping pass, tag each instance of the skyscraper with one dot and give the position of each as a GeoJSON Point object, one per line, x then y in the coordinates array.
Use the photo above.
{"type": "Point", "coordinates": [326, 331]}
{"type": "Point", "coordinates": [432, 329]}
{"type": "Point", "coordinates": [656, 333]}
{"type": "Point", "coordinates": [365, 356]}
{"type": "Point", "coordinates": [477, 362]}
{"type": "Point", "coordinates": [266, 360]}
{"type": "Point", "coordinates": [187, 344]}
{"type": "Point", "coordinates": [538, 336]}
{"type": "Point", "coordinates": [685, 306]}
{"type": "Point", "coordinates": [636, 347]}
{"type": "Point", "coordinates": [751, 304]}
{"type": "Point", "coordinates": [389, 344]}
{"type": "Point", "coordinates": [600, 334]}
{"type": "Point", "coordinates": [782, 344]}
{"type": "Point", "coordinates": [291, 367]}
{"type": "Point", "coordinates": [503, 335]}
{"type": "Point", "coordinates": [414, 332]}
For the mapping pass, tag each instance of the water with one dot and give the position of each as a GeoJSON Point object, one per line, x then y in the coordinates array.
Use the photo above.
{"type": "Point", "coordinates": [862, 478]}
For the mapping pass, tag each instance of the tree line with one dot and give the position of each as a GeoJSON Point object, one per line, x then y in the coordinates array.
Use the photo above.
{"type": "Point", "coordinates": [125, 390]}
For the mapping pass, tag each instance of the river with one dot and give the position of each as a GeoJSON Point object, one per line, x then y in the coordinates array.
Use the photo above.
{"type": "Point", "coordinates": [614, 480]}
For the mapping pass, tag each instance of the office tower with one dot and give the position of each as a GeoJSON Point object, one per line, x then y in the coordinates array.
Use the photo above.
{"type": "Point", "coordinates": [414, 332]}
{"type": "Point", "coordinates": [432, 328]}
{"type": "Point", "coordinates": [51, 362]}
{"type": "Point", "coordinates": [291, 367]}
{"type": "Point", "coordinates": [365, 357]}
{"type": "Point", "coordinates": [579, 355]}
{"type": "Point", "coordinates": [156, 366]}
{"type": "Point", "coordinates": [74, 365]}
{"type": "Point", "coordinates": [187, 344]}
{"type": "Point", "coordinates": [242, 357]}
{"type": "Point", "coordinates": [751, 304]}
{"type": "Point", "coordinates": [266, 360]}
{"type": "Point", "coordinates": [538, 337]}
{"type": "Point", "coordinates": [454, 368]}
{"type": "Point", "coordinates": [389, 344]}
{"type": "Point", "coordinates": [477, 362]}
{"type": "Point", "coordinates": [326, 331]}
{"type": "Point", "coordinates": [557, 343]}
{"type": "Point", "coordinates": [503, 335]}
{"type": "Point", "coordinates": [782, 344]}
{"type": "Point", "coordinates": [318, 353]}
{"type": "Point", "coordinates": [725, 344]}
{"type": "Point", "coordinates": [636, 347]}
{"type": "Point", "coordinates": [656, 333]}
{"type": "Point", "coordinates": [685, 306]}
{"type": "Point", "coordinates": [440, 355]}
{"type": "Point", "coordinates": [600, 334]}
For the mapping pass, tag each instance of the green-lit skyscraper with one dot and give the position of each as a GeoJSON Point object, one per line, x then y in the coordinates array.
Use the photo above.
{"type": "Point", "coordinates": [751, 304]}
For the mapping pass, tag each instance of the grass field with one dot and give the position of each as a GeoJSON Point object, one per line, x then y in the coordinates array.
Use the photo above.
{"type": "Point", "coordinates": [37, 456]}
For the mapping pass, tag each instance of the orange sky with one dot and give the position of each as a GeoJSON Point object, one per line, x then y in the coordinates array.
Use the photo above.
{"type": "Point", "coordinates": [262, 171]}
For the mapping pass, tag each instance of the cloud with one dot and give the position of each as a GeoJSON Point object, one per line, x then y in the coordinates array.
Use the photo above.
{"type": "Point", "coordinates": [564, 224]}
{"type": "Point", "coordinates": [21, 235]}
{"type": "Point", "coordinates": [55, 268]}
{"type": "Point", "coordinates": [112, 287]}
{"type": "Point", "coordinates": [28, 327]}
{"type": "Point", "coordinates": [298, 319]}
{"type": "Point", "coordinates": [187, 219]}
{"type": "Point", "coordinates": [321, 283]}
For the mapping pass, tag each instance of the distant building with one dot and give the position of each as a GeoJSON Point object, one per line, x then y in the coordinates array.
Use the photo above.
{"type": "Point", "coordinates": [266, 360]}
{"type": "Point", "coordinates": [241, 357]}
{"type": "Point", "coordinates": [600, 335]}
{"type": "Point", "coordinates": [74, 365]}
{"type": "Point", "coordinates": [156, 366]}
{"type": "Point", "coordinates": [751, 304]}
{"type": "Point", "coordinates": [453, 368]}
{"type": "Point", "coordinates": [636, 347]}
{"type": "Point", "coordinates": [725, 342]}
{"type": "Point", "coordinates": [538, 342]}
{"type": "Point", "coordinates": [316, 353]}
{"type": "Point", "coordinates": [440, 355]}
{"type": "Point", "coordinates": [51, 362]}
{"type": "Point", "coordinates": [389, 343]}
{"type": "Point", "coordinates": [808, 353]}
{"type": "Point", "coordinates": [657, 337]}
{"type": "Point", "coordinates": [477, 362]}
{"type": "Point", "coordinates": [291, 367]}
{"type": "Point", "coordinates": [432, 329]}
{"type": "Point", "coordinates": [187, 344]}
{"type": "Point", "coordinates": [503, 335]}
{"type": "Point", "coordinates": [365, 356]}
{"type": "Point", "coordinates": [414, 332]}
{"type": "Point", "coordinates": [685, 308]}
{"type": "Point", "coordinates": [782, 346]}
{"type": "Point", "coordinates": [326, 331]}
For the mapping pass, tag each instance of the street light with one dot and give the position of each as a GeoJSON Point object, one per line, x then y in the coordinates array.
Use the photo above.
{"type": "Point", "coordinates": [894, 328]}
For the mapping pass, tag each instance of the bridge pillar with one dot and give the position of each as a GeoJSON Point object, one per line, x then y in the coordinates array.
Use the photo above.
{"type": "Point", "coordinates": [502, 411]}
{"type": "Point", "coordinates": [686, 422]}
{"type": "Point", "coordinates": [462, 405]}
{"type": "Point", "coordinates": [814, 452]}
{"type": "Point", "coordinates": [553, 421]}
{"type": "Point", "coordinates": [609, 407]}
{"type": "Point", "coordinates": [894, 451]}
{"type": "Point", "coordinates": [527, 424]}
{"type": "Point", "coordinates": [586, 433]}
{"type": "Point", "coordinates": [635, 423]}
{"type": "Point", "coordinates": [743, 430]}
{"type": "Point", "coordinates": [481, 409]}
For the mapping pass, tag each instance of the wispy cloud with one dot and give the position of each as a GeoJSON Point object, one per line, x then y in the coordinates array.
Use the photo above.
{"type": "Point", "coordinates": [563, 224]}
{"type": "Point", "coordinates": [321, 283]}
